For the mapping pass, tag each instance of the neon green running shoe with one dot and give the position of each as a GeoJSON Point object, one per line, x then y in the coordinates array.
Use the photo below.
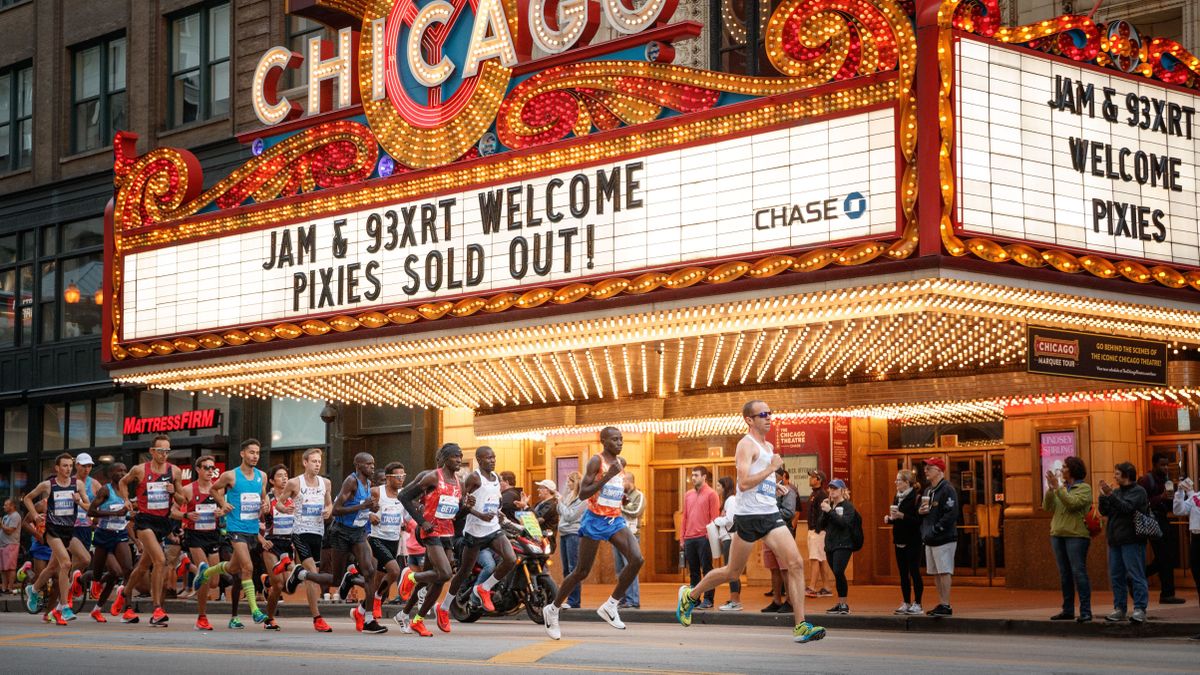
{"type": "Point", "coordinates": [806, 632]}
{"type": "Point", "coordinates": [683, 610]}
{"type": "Point", "coordinates": [236, 623]}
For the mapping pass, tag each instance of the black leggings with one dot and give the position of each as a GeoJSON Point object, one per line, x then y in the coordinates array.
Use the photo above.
{"type": "Point", "coordinates": [1194, 558]}
{"type": "Point", "coordinates": [838, 560]}
{"type": "Point", "coordinates": [908, 561]}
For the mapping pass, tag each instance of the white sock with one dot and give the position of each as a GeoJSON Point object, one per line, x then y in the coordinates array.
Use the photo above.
{"type": "Point", "coordinates": [368, 617]}
{"type": "Point", "coordinates": [612, 601]}
{"type": "Point", "coordinates": [446, 602]}
{"type": "Point", "coordinates": [490, 582]}
{"type": "Point", "coordinates": [302, 575]}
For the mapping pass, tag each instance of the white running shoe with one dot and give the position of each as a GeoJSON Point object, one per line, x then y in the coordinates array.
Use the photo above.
{"type": "Point", "coordinates": [404, 622]}
{"type": "Point", "coordinates": [550, 616]}
{"type": "Point", "coordinates": [731, 606]}
{"type": "Point", "coordinates": [915, 609]}
{"type": "Point", "coordinates": [902, 609]}
{"type": "Point", "coordinates": [608, 612]}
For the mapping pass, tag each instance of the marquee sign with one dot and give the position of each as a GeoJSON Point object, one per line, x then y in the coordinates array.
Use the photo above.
{"type": "Point", "coordinates": [455, 157]}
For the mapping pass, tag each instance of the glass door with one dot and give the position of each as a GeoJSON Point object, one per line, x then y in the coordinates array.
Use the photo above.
{"type": "Point", "coordinates": [1183, 454]}
{"type": "Point", "coordinates": [883, 488]}
{"type": "Point", "coordinates": [979, 480]}
{"type": "Point", "coordinates": [668, 485]}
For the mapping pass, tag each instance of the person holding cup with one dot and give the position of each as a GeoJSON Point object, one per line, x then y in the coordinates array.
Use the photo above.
{"type": "Point", "coordinates": [838, 520]}
{"type": "Point", "coordinates": [906, 539]}
{"type": "Point", "coordinates": [939, 531]}
{"type": "Point", "coordinates": [1187, 503]}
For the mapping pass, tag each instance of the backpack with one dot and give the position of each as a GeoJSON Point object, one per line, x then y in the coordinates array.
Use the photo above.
{"type": "Point", "coordinates": [856, 533]}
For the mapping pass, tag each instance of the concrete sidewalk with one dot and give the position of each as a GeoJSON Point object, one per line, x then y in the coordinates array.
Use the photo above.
{"type": "Point", "coordinates": [978, 610]}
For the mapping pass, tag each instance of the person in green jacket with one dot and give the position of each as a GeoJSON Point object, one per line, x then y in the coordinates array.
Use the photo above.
{"type": "Point", "coordinates": [1068, 497]}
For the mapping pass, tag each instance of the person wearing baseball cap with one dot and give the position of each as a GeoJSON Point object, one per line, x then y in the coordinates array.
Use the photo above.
{"type": "Point", "coordinates": [546, 510]}
{"type": "Point", "coordinates": [939, 531]}
{"type": "Point", "coordinates": [81, 544]}
{"type": "Point", "coordinates": [843, 528]}
{"type": "Point", "coordinates": [819, 573]}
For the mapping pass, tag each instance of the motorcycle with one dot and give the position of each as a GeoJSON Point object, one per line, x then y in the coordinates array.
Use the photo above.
{"type": "Point", "coordinates": [527, 585]}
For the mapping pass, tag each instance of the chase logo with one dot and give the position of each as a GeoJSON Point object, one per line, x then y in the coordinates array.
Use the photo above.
{"type": "Point", "coordinates": [855, 205]}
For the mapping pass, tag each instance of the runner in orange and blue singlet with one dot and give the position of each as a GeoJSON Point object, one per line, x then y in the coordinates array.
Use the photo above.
{"type": "Point", "coordinates": [603, 485]}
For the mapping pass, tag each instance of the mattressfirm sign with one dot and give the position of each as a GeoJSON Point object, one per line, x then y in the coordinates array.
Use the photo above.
{"type": "Point", "coordinates": [803, 186]}
{"type": "Point", "coordinates": [1053, 152]}
{"type": "Point", "coordinates": [184, 421]}
{"type": "Point", "coordinates": [1096, 357]}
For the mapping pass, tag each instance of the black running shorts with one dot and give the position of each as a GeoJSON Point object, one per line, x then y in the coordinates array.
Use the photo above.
{"type": "Point", "coordinates": [383, 550]}
{"type": "Point", "coordinates": [307, 546]}
{"type": "Point", "coordinates": [208, 541]}
{"type": "Point", "coordinates": [755, 527]}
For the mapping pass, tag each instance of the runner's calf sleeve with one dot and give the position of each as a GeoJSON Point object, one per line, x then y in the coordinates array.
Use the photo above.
{"type": "Point", "coordinates": [211, 572]}
{"type": "Point", "coordinates": [248, 590]}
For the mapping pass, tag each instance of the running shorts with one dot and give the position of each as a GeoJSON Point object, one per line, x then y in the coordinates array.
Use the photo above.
{"type": "Point", "coordinates": [307, 547]}
{"type": "Point", "coordinates": [471, 541]}
{"type": "Point", "coordinates": [754, 527]}
{"type": "Point", "coordinates": [64, 532]}
{"type": "Point", "coordinates": [600, 528]}
{"type": "Point", "coordinates": [383, 550]}
{"type": "Point", "coordinates": [208, 541]}
{"type": "Point", "coordinates": [84, 535]}
{"type": "Point", "coordinates": [109, 539]}
{"type": "Point", "coordinates": [280, 546]}
{"type": "Point", "coordinates": [160, 525]}
{"type": "Point", "coordinates": [440, 542]}
{"type": "Point", "coordinates": [40, 551]}
{"type": "Point", "coordinates": [250, 540]}
{"type": "Point", "coordinates": [345, 538]}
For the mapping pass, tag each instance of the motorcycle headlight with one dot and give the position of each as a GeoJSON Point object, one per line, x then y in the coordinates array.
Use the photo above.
{"type": "Point", "coordinates": [534, 548]}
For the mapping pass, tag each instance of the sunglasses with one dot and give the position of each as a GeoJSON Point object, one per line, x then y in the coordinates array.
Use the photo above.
{"type": "Point", "coordinates": [766, 414]}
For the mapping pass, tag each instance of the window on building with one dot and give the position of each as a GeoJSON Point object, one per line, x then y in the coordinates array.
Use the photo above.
{"type": "Point", "coordinates": [16, 117]}
{"type": "Point", "coordinates": [98, 99]}
{"type": "Point", "coordinates": [199, 87]}
{"type": "Point", "coordinates": [299, 31]}
{"type": "Point", "coordinates": [54, 426]}
{"type": "Point", "coordinates": [737, 39]}
{"type": "Point", "coordinates": [70, 268]}
{"type": "Point", "coordinates": [109, 418]}
{"type": "Point", "coordinates": [16, 430]}
{"type": "Point", "coordinates": [16, 288]}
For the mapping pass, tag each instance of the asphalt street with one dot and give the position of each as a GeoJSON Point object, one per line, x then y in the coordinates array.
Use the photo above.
{"type": "Point", "coordinates": [27, 645]}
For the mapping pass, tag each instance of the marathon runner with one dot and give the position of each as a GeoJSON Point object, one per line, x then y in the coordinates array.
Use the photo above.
{"type": "Point", "coordinates": [201, 539]}
{"type": "Point", "coordinates": [482, 530]}
{"type": "Point", "coordinates": [39, 553]}
{"type": "Point", "coordinates": [113, 559]}
{"type": "Point", "coordinates": [433, 501]}
{"type": "Point", "coordinates": [64, 494]}
{"type": "Point", "coordinates": [757, 518]}
{"type": "Point", "coordinates": [81, 545]}
{"type": "Point", "coordinates": [277, 544]}
{"type": "Point", "coordinates": [386, 529]}
{"type": "Point", "coordinates": [158, 483]}
{"type": "Point", "coordinates": [351, 516]}
{"type": "Point", "coordinates": [241, 498]}
{"type": "Point", "coordinates": [313, 497]}
{"type": "Point", "coordinates": [603, 485]}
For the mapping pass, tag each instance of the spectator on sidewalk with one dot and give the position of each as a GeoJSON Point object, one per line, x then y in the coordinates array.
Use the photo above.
{"type": "Point", "coordinates": [632, 507]}
{"type": "Point", "coordinates": [1069, 500]}
{"type": "Point", "coordinates": [724, 522]}
{"type": "Point", "coordinates": [787, 499]}
{"type": "Point", "coordinates": [10, 544]}
{"type": "Point", "coordinates": [512, 497]}
{"type": "Point", "coordinates": [570, 515]}
{"type": "Point", "coordinates": [546, 511]}
{"type": "Point", "coordinates": [1187, 504]}
{"type": "Point", "coordinates": [700, 507]}
{"type": "Point", "coordinates": [906, 539]}
{"type": "Point", "coordinates": [1126, 549]}
{"type": "Point", "coordinates": [819, 573]}
{"type": "Point", "coordinates": [1160, 492]}
{"type": "Point", "coordinates": [839, 520]}
{"type": "Point", "coordinates": [939, 531]}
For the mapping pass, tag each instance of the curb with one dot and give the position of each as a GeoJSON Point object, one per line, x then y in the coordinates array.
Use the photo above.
{"type": "Point", "coordinates": [910, 624]}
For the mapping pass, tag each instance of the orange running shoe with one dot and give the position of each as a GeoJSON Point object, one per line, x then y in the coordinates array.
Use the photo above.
{"type": "Point", "coordinates": [320, 626]}
{"type": "Point", "coordinates": [378, 608]}
{"type": "Point", "coordinates": [159, 618]}
{"type": "Point", "coordinates": [485, 598]}
{"type": "Point", "coordinates": [407, 584]}
{"type": "Point", "coordinates": [443, 620]}
{"type": "Point", "coordinates": [119, 601]}
{"type": "Point", "coordinates": [418, 627]}
{"type": "Point", "coordinates": [97, 589]}
{"type": "Point", "coordinates": [98, 616]}
{"type": "Point", "coordinates": [57, 616]}
{"type": "Point", "coordinates": [202, 623]}
{"type": "Point", "coordinates": [129, 616]}
{"type": "Point", "coordinates": [184, 563]}
{"type": "Point", "coordinates": [359, 618]}
{"type": "Point", "coordinates": [282, 565]}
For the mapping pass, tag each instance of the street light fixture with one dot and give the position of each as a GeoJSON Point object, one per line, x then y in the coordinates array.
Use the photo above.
{"type": "Point", "coordinates": [71, 293]}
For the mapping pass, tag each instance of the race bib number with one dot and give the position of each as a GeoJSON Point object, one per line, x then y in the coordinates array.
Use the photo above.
{"type": "Point", "coordinates": [390, 520]}
{"type": "Point", "coordinates": [612, 493]}
{"type": "Point", "coordinates": [113, 523]}
{"type": "Point", "coordinates": [64, 503]}
{"type": "Point", "coordinates": [311, 509]}
{"type": "Point", "coordinates": [281, 523]}
{"type": "Point", "coordinates": [250, 506]}
{"type": "Point", "coordinates": [491, 506]}
{"type": "Point", "coordinates": [81, 519]}
{"type": "Point", "coordinates": [206, 517]}
{"type": "Point", "coordinates": [447, 507]}
{"type": "Point", "coordinates": [157, 498]}
{"type": "Point", "coordinates": [361, 517]}
{"type": "Point", "coordinates": [767, 487]}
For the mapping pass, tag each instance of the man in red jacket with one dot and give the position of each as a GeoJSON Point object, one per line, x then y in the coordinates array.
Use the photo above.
{"type": "Point", "coordinates": [700, 507]}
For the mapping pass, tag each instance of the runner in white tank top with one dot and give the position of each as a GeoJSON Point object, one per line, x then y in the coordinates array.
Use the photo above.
{"type": "Point", "coordinates": [482, 529]}
{"type": "Point", "coordinates": [385, 535]}
{"type": "Point", "coordinates": [312, 496]}
{"type": "Point", "coordinates": [757, 518]}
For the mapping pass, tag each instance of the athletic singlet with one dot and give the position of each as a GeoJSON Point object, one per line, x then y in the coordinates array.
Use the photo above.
{"type": "Point", "coordinates": [61, 508]}
{"type": "Point", "coordinates": [311, 508]}
{"type": "Point", "coordinates": [441, 506]}
{"type": "Point", "coordinates": [282, 524]}
{"type": "Point", "coordinates": [246, 498]}
{"type": "Point", "coordinates": [204, 504]}
{"type": "Point", "coordinates": [152, 496]}
{"type": "Point", "coordinates": [607, 502]}
{"type": "Point", "coordinates": [487, 500]}
{"type": "Point", "coordinates": [111, 503]}
{"type": "Point", "coordinates": [362, 492]}
{"type": "Point", "coordinates": [81, 516]}
{"type": "Point", "coordinates": [760, 500]}
{"type": "Point", "coordinates": [391, 517]}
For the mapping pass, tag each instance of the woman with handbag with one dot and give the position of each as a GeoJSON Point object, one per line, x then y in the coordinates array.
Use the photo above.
{"type": "Point", "coordinates": [1126, 545]}
{"type": "Point", "coordinates": [1068, 498]}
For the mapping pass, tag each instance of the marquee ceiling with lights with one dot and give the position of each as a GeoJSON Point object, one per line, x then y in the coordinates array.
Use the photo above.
{"type": "Point", "coordinates": [886, 331]}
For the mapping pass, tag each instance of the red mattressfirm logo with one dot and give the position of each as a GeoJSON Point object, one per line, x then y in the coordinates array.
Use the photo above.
{"type": "Point", "coordinates": [1055, 348]}
{"type": "Point", "coordinates": [431, 74]}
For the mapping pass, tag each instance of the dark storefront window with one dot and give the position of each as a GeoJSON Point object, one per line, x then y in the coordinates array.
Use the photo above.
{"type": "Point", "coordinates": [16, 117]}
{"type": "Point", "coordinates": [737, 37]}
{"type": "Point", "coordinates": [69, 293]}
{"type": "Point", "coordinates": [98, 94]}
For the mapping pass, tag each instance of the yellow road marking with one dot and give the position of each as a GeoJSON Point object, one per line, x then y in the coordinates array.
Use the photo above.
{"type": "Point", "coordinates": [321, 656]}
{"type": "Point", "coordinates": [532, 653]}
{"type": "Point", "coordinates": [29, 636]}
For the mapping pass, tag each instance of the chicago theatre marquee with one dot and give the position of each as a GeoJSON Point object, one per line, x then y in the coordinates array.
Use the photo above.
{"type": "Point", "coordinates": [916, 232]}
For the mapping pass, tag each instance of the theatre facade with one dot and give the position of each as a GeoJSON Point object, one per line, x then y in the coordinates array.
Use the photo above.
{"type": "Point", "coordinates": [910, 229]}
